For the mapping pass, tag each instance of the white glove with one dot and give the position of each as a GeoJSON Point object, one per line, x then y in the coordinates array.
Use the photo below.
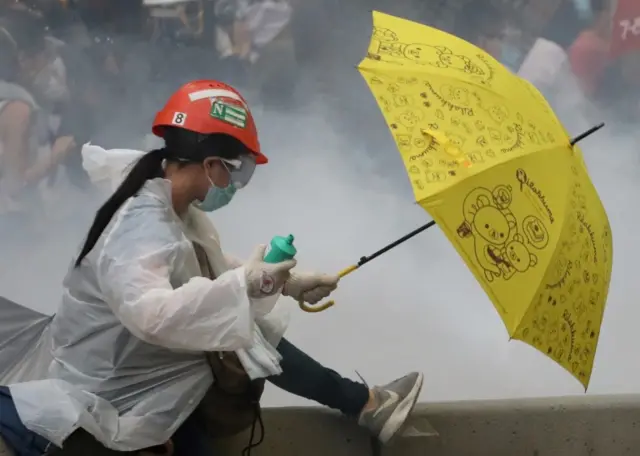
{"type": "Point", "coordinates": [310, 287]}
{"type": "Point", "coordinates": [265, 279]}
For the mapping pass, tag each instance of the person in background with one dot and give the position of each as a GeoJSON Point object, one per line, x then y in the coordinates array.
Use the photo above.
{"type": "Point", "coordinates": [589, 53]}
{"type": "Point", "coordinates": [31, 81]}
{"type": "Point", "coordinates": [257, 34]}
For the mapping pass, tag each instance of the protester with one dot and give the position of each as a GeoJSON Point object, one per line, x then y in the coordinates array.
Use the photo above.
{"type": "Point", "coordinates": [151, 293]}
{"type": "Point", "coordinates": [152, 311]}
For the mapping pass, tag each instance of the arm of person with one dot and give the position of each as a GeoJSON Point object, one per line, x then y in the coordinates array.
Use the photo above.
{"type": "Point", "coordinates": [310, 287]}
{"type": "Point", "coordinates": [241, 38]}
{"type": "Point", "coordinates": [135, 267]}
{"type": "Point", "coordinates": [14, 131]}
{"type": "Point", "coordinates": [59, 151]}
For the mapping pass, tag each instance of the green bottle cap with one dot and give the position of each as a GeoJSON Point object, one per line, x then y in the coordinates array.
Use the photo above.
{"type": "Point", "coordinates": [281, 249]}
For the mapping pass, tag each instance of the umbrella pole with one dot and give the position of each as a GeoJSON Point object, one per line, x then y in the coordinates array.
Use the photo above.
{"type": "Point", "coordinates": [364, 260]}
{"type": "Point", "coordinates": [589, 132]}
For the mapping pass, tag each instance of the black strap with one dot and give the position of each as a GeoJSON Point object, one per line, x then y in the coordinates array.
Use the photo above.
{"type": "Point", "coordinates": [256, 421]}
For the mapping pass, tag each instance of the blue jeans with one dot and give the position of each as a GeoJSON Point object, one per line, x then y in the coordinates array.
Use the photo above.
{"type": "Point", "coordinates": [305, 377]}
{"type": "Point", "coordinates": [301, 375]}
{"type": "Point", "coordinates": [21, 440]}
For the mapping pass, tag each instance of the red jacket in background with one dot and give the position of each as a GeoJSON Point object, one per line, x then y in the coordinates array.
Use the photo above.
{"type": "Point", "coordinates": [589, 56]}
{"type": "Point", "coordinates": [626, 27]}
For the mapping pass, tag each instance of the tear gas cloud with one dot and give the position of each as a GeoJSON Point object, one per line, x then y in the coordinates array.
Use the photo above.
{"type": "Point", "coordinates": [335, 181]}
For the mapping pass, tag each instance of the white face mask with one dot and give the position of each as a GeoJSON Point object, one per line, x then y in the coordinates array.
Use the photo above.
{"type": "Point", "coordinates": [51, 81]}
{"type": "Point", "coordinates": [217, 198]}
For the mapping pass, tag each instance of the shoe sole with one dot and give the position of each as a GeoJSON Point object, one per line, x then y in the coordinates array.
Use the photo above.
{"type": "Point", "coordinates": [400, 414]}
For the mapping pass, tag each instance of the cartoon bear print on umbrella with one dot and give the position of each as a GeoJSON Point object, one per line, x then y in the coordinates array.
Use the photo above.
{"type": "Point", "coordinates": [386, 44]}
{"type": "Point", "coordinates": [501, 249]}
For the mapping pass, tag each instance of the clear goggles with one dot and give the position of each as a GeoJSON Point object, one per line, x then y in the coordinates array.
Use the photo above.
{"type": "Point", "coordinates": [240, 169]}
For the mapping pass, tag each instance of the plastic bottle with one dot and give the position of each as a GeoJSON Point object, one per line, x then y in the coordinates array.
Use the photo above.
{"type": "Point", "coordinates": [280, 249]}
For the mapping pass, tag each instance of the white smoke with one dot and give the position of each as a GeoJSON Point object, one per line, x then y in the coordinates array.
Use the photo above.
{"type": "Point", "coordinates": [415, 308]}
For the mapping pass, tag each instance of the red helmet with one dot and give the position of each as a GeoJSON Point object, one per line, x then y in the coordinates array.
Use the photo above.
{"type": "Point", "coordinates": [210, 107]}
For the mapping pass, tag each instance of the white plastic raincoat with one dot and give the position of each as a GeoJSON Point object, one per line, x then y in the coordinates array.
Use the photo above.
{"type": "Point", "coordinates": [134, 323]}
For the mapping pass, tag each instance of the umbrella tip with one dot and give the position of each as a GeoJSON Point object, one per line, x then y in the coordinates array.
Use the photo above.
{"type": "Point", "coordinates": [589, 132]}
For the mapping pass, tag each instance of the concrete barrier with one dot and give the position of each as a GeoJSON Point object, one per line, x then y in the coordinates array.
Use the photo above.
{"type": "Point", "coordinates": [579, 426]}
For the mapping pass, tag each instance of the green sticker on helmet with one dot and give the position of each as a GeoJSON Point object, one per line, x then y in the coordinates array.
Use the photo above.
{"type": "Point", "coordinates": [235, 115]}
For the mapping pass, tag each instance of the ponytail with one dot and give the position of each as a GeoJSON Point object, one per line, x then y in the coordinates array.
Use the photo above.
{"type": "Point", "coordinates": [147, 167]}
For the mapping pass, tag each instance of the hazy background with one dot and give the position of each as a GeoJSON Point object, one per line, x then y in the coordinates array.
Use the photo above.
{"type": "Point", "coordinates": [336, 182]}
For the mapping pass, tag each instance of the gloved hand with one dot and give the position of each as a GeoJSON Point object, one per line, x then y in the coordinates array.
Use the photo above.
{"type": "Point", "coordinates": [310, 287]}
{"type": "Point", "coordinates": [265, 279]}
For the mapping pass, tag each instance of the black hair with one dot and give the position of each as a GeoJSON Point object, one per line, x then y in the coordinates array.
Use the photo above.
{"type": "Point", "coordinates": [20, 32]}
{"type": "Point", "coordinates": [181, 146]}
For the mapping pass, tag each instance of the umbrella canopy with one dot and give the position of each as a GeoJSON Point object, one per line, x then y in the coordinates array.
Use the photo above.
{"type": "Point", "coordinates": [494, 167]}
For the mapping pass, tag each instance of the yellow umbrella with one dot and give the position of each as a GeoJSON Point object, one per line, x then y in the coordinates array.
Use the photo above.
{"type": "Point", "coordinates": [494, 167]}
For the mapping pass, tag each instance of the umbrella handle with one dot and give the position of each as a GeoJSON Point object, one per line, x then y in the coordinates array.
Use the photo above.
{"type": "Point", "coordinates": [310, 308]}
{"type": "Point", "coordinates": [364, 260]}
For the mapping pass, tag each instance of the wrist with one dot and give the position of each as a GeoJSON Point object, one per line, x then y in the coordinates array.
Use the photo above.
{"type": "Point", "coordinates": [292, 286]}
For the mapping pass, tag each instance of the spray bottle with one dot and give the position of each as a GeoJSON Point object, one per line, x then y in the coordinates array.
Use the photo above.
{"type": "Point", "coordinates": [279, 249]}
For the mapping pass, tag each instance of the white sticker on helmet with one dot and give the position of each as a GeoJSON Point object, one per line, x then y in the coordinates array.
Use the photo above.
{"type": "Point", "coordinates": [216, 93]}
{"type": "Point", "coordinates": [179, 118]}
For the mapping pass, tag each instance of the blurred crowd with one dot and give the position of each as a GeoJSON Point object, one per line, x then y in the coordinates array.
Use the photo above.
{"type": "Point", "coordinates": [74, 71]}
{"type": "Point", "coordinates": [583, 55]}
